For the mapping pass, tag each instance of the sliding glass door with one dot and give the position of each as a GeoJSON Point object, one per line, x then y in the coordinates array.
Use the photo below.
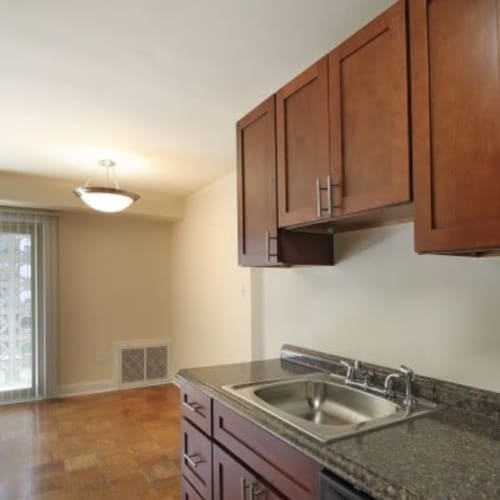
{"type": "Point", "coordinates": [17, 336]}
{"type": "Point", "coordinates": [25, 306]}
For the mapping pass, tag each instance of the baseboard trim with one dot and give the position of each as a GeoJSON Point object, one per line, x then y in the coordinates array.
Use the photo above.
{"type": "Point", "coordinates": [99, 386]}
{"type": "Point", "coordinates": [81, 388]}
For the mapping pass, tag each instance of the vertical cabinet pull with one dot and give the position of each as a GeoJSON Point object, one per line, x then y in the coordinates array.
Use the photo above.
{"type": "Point", "coordinates": [243, 489]}
{"type": "Point", "coordinates": [319, 209]}
{"type": "Point", "coordinates": [270, 255]}
{"type": "Point", "coordinates": [329, 194]}
{"type": "Point", "coordinates": [256, 490]}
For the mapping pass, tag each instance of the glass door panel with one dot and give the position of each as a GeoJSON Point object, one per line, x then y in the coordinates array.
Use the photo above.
{"type": "Point", "coordinates": [17, 292]}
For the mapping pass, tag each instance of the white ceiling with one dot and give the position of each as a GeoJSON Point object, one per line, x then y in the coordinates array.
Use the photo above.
{"type": "Point", "coordinates": [156, 85]}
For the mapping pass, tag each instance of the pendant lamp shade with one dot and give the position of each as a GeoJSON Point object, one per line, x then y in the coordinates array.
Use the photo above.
{"type": "Point", "coordinates": [109, 198]}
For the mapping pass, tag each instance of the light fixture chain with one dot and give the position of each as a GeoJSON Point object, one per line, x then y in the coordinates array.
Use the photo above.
{"type": "Point", "coordinates": [92, 175]}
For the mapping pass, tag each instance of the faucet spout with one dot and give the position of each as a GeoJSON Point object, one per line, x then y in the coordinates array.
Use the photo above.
{"type": "Point", "coordinates": [389, 382]}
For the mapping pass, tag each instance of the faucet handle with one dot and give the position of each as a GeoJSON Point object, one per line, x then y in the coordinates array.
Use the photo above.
{"type": "Point", "coordinates": [350, 368]}
{"type": "Point", "coordinates": [407, 371]}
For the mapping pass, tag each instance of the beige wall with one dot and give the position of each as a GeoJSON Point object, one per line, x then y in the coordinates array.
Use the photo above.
{"type": "Point", "coordinates": [210, 295]}
{"type": "Point", "coordinates": [113, 284]}
{"type": "Point", "coordinates": [384, 303]}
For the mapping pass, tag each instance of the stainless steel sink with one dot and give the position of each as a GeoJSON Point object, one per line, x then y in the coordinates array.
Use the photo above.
{"type": "Point", "coordinates": [324, 407]}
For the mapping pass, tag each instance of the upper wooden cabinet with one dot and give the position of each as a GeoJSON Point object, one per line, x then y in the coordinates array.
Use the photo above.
{"type": "Point", "coordinates": [369, 108]}
{"type": "Point", "coordinates": [256, 144]}
{"type": "Point", "coordinates": [260, 242]}
{"type": "Point", "coordinates": [347, 138]}
{"type": "Point", "coordinates": [456, 124]}
{"type": "Point", "coordinates": [343, 129]}
{"type": "Point", "coordinates": [303, 146]}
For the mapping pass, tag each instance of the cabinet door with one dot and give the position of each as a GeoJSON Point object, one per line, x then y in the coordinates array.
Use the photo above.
{"type": "Point", "coordinates": [369, 116]}
{"type": "Point", "coordinates": [259, 241]}
{"type": "Point", "coordinates": [196, 459]}
{"type": "Point", "coordinates": [303, 146]}
{"type": "Point", "coordinates": [290, 472]}
{"type": "Point", "coordinates": [456, 124]}
{"type": "Point", "coordinates": [257, 225]}
{"type": "Point", "coordinates": [234, 481]}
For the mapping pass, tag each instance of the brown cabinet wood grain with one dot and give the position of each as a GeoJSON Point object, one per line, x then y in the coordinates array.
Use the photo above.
{"type": "Point", "coordinates": [196, 459]}
{"type": "Point", "coordinates": [232, 480]}
{"type": "Point", "coordinates": [258, 222]}
{"type": "Point", "coordinates": [455, 70]}
{"type": "Point", "coordinates": [292, 474]}
{"type": "Point", "coordinates": [303, 146]}
{"type": "Point", "coordinates": [343, 131]}
{"type": "Point", "coordinates": [369, 108]}
{"type": "Point", "coordinates": [260, 243]}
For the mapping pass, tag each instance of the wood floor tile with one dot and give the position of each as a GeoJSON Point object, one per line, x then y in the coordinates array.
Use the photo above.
{"type": "Point", "coordinates": [122, 445]}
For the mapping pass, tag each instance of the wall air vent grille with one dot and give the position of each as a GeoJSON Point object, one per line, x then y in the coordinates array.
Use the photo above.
{"type": "Point", "coordinates": [141, 365]}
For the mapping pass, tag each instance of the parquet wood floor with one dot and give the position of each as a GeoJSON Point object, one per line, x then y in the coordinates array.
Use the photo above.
{"type": "Point", "coordinates": [117, 446]}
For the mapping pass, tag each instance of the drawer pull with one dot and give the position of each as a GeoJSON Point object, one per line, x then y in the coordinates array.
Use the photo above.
{"type": "Point", "coordinates": [194, 407]}
{"type": "Point", "coordinates": [193, 460]}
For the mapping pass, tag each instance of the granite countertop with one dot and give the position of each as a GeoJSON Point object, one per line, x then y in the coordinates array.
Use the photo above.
{"type": "Point", "coordinates": [453, 453]}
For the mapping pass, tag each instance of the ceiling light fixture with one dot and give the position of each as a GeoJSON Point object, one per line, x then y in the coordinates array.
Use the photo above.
{"type": "Point", "coordinates": [109, 198]}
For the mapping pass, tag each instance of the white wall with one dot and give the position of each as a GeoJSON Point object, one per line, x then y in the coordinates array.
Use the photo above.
{"type": "Point", "coordinates": [384, 303]}
{"type": "Point", "coordinates": [210, 295]}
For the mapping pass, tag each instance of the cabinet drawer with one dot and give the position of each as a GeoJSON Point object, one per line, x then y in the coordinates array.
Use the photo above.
{"type": "Point", "coordinates": [234, 481]}
{"type": "Point", "coordinates": [188, 492]}
{"type": "Point", "coordinates": [196, 459]}
{"type": "Point", "coordinates": [196, 407]}
{"type": "Point", "coordinates": [291, 473]}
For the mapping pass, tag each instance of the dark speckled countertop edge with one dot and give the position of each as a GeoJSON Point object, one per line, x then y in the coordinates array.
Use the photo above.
{"type": "Point", "coordinates": [357, 475]}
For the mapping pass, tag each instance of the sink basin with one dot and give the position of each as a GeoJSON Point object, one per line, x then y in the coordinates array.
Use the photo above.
{"type": "Point", "coordinates": [324, 407]}
{"type": "Point", "coordinates": [326, 403]}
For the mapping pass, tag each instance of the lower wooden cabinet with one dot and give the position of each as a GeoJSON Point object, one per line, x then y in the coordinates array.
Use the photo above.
{"type": "Point", "coordinates": [234, 459]}
{"type": "Point", "coordinates": [196, 459]}
{"type": "Point", "coordinates": [292, 474]}
{"type": "Point", "coordinates": [233, 480]}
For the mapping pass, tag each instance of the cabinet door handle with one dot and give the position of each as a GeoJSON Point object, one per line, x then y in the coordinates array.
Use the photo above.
{"type": "Point", "coordinates": [243, 489]}
{"type": "Point", "coordinates": [194, 407]}
{"type": "Point", "coordinates": [193, 460]}
{"type": "Point", "coordinates": [319, 190]}
{"type": "Point", "coordinates": [269, 255]}
{"type": "Point", "coordinates": [318, 197]}
{"type": "Point", "coordinates": [329, 194]}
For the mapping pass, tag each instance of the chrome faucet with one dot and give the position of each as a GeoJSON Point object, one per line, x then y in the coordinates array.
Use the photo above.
{"type": "Point", "coordinates": [405, 373]}
{"type": "Point", "coordinates": [409, 376]}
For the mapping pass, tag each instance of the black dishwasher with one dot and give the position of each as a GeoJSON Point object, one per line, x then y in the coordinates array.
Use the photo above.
{"type": "Point", "coordinates": [334, 488]}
